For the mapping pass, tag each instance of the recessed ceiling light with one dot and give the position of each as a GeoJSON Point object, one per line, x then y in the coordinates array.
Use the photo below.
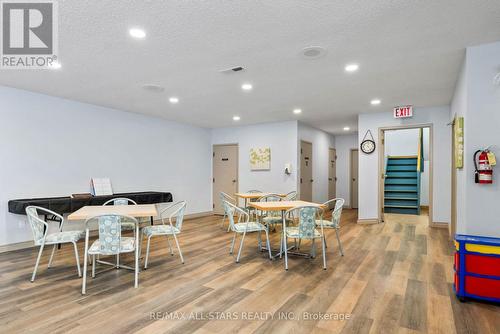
{"type": "Point", "coordinates": [246, 86]}
{"type": "Point", "coordinates": [297, 111]}
{"type": "Point", "coordinates": [375, 102]}
{"type": "Point", "coordinates": [236, 118]}
{"type": "Point", "coordinates": [174, 100]}
{"type": "Point", "coordinates": [137, 33]}
{"type": "Point", "coordinates": [346, 128]}
{"type": "Point", "coordinates": [351, 67]}
{"type": "Point", "coordinates": [56, 65]}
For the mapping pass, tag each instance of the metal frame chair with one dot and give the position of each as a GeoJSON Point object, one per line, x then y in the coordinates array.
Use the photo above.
{"type": "Point", "coordinates": [225, 197]}
{"type": "Point", "coordinates": [291, 196]}
{"type": "Point", "coordinates": [306, 229]}
{"type": "Point", "coordinates": [42, 238]}
{"type": "Point", "coordinates": [244, 227]}
{"type": "Point", "coordinates": [270, 217]}
{"type": "Point", "coordinates": [176, 211]}
{"type": "Point", "coordinates": [110, 242]}
{"type": "Point", "coordinates": [126, 225]}
{"type": "Point", "coordinates": [334, 223]}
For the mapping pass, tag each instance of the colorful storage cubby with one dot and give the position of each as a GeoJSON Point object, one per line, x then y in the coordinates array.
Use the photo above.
{"type": "Point", "coordinates": [477, 268]}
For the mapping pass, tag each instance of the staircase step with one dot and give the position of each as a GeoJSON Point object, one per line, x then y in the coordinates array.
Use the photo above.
{"type": "Point", "coordinates": [401, 206]}
{"type": "Point", "coordinates": [412, 203]}
{"type": "Point", "coordinates": [401, 181]}
{"type": "Point", "coordinates": [401, 168]}
{"type": "Point", "coordinates": [399, 189]}
{"type": "Point", "coordinates": [392, 162]}
{"type": "Point", "coordinates": [401, 174]}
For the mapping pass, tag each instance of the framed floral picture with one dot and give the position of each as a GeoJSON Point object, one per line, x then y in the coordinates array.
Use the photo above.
{"type": "Point", "coordinates": [260, 158]}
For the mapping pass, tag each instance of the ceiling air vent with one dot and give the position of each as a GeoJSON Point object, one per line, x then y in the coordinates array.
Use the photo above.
{"type": "Point", "coordinates": [232, 69]}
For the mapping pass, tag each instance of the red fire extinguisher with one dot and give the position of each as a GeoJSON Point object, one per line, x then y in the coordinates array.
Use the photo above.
{"type": "Point", "coordinates": [484, 172]}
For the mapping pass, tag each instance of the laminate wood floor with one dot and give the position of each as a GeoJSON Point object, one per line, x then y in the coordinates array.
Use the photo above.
{"type": "Point", "coordinates": [395, 277]}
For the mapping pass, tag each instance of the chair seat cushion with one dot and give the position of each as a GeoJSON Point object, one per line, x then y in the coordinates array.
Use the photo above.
{"type": "Point", "coordinates": [160, 230]}
{"type": "Point", "coordinates": [293, 232]}
{"type": "Point", "coordinates": [63, 237]}
{"type": "Point", "coordinates": [327, 223]}
{"type": "Point", "coordinates": [252, 227]}
{"type": "Point", "coordinates": [127, 244]}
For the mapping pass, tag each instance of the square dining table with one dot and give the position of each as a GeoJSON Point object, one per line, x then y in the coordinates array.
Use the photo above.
{"type": "Point", "coordinates": [136, 211]}
{"type": "Point", "coordinates": [254, 196]}
{"type": "Point", "coordinates": [283, 206]}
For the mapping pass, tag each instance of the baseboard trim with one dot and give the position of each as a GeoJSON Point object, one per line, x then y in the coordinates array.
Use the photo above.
{"type": "Point", "coordinates": [17, 246]}
{"type": "Point", "coordinates": [198, 215]}
{"type": "Point", "coordinates": [440, 225]}
{"type": "Point", "coordinates": [368, 221]}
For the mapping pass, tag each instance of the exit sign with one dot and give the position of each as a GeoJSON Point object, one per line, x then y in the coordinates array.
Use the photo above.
{"type": "Point", "coordinates": [403, 112]}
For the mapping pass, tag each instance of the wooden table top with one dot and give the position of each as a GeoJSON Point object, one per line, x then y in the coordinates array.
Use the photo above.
{"type": "Point", "coordinates": [138, 211]}
{"type": "Point", "coordinates": [281, 205]}
{"type": "Point", "coordinates": [256, 195]}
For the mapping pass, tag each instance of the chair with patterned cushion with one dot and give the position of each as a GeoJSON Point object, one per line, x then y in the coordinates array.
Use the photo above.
{"type": "Point", "coordinates": [250, 209]}
{"type": "Point", "coordinates": [225, 197]}
{"type": "Point", "coordinates": [244, 227]}
{"type": "Point", "coordinates": [175, 211]}
{"type": "Point", "coordinates": [334, 222]}
{"type": "Point", "coordinates": [110, 243]}
{"type": "Point", "coordinates": [291, 196]}
{"type": "Point", "coordinates": [42, 238]}
{"type": "Point", "coordinates": [270, 218]}
{"type": "Point", "coordinates": [306, 229]}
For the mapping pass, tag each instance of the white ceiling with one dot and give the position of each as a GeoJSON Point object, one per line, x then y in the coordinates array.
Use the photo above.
{"type": "Point", "coordinates": [409, 53]}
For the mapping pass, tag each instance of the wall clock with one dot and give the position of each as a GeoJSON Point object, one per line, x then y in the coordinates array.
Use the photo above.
{"type": "Point", "coordinates": [368, 145]}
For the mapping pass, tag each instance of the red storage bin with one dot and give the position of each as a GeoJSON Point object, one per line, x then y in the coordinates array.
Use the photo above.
{"type": "Point", "coordinates": [482, 265]}
{"type": "Point", "coordinates": [482, 287]}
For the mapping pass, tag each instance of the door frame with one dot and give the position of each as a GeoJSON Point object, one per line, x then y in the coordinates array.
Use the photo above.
{"type": "Point", "coordinates": [350, 177]}
{"type": "Point", "coordinates": [300, 167]}
{"type": "Point", "coordinates": [237, 169]}
{"type": "Point", "coordinates": [334, 149]}
{"type": "Point", "coordinates": [380, 175]}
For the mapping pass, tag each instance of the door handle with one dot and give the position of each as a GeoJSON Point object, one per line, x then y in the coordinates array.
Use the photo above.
{"type": "Point", "coordinates": [312, 180]}
{"type": "Point", "coordinates": [330, 179]}
{"type": "Point", "coordinates": [354, 179]}
{"type": "Point", "coordinates": [234, 181]}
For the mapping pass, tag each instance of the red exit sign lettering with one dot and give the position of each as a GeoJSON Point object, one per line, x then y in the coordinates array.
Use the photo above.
{"type": "Point", "coordinates": [403, 112]}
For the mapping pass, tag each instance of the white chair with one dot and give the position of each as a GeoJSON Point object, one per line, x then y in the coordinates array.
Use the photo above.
{"type": "Point", "coordinates": [291, 196]}
{"type": "Point", "coordinates": [167, 229]}
{"type": "Point", "coordinates": [270, 217]}
{"type": "Point", "coordinates": [42, 238]}
{"type": "Point", "coordinates": [110, 242]}
{"type": "Point", "coordinates": [334, 222]}
{"type": "Point", "coordinates": [306, 229]}
{"type": "Point", "coordinates": [225, 197]}
{"type": "Point", "coordinates": [244, 227]}
{"type": "Point", "coordinates": [126, 225]}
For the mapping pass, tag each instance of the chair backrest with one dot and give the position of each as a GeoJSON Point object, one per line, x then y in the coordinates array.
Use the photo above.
{"type": "Point", "coordinates": [230, 210]}
{"type": "Point", "coordinates": [37, 225]}
{"type": "Point", "coordinates": [291, 196]}
{"type": "Point", "coordinates": [176, 211]}
{"type": "Point", "coordinates": [110, 231]}
{"type": "Point", "coordinates": [120, 201]}
{"type": "Point", "coordinates": [271, 198]}
{"type": "Point", "coordinates": [225, 197]}
{"type": "Point", "coordinates": [337, 210]}
{"type": "Point", "coordinates": [307, 220]}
